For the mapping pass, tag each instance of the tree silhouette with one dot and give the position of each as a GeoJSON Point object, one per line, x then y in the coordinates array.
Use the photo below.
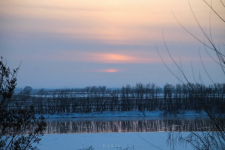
{"type": "Point", "coordinates": [19, 128]}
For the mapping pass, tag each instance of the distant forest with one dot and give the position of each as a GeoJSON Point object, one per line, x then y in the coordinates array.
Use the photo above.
{"type": "Point", "coordinates": [170, 99]}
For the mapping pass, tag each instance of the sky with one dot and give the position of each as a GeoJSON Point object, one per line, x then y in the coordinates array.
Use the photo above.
{"type": "Point", "coordinates": [79, 43]}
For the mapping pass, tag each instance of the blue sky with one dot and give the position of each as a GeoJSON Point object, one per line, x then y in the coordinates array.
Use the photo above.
{"type": "Point", "coordinates": [76, 43]}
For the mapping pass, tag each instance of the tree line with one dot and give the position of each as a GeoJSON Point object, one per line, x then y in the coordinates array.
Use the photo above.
{"type": "Point", "coordinates": [142, 97]}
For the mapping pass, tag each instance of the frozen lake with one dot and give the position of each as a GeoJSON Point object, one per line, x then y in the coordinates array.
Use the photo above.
{"type": "Point", "coordinates": [108, 141]}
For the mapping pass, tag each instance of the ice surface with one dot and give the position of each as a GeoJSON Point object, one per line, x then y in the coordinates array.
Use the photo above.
{"type": "Point", "coordinates": [108, 141]}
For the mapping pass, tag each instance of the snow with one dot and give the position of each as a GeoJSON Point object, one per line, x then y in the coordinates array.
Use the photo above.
{"type": "Point", "coordinates": [108, 141]}
{"type": "Point", "coordinates": [117, 114]}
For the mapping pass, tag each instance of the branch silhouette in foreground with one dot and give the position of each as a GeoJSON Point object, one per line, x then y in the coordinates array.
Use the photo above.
{"type": "Point", "coordinates": [205, 140]}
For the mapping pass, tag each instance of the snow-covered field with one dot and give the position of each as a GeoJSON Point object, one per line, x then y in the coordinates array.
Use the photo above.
{"type": "Point", "coordinates": [108, 141]}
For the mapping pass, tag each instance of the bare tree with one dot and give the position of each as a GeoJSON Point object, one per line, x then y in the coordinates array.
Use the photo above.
{"type": "Point", "coordinates": [206, 140]}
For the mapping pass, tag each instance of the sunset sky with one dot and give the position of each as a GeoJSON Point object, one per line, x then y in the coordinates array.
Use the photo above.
{"type": "Point", "coordinates": [78, 43]}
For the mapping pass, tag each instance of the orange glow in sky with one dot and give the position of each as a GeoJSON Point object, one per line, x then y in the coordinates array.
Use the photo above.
{"type": "Point", "coordinates": [118, 58]}
{"type": "Point", "coordinates": [108, 70]}
{"type": "Point", "coordinates": [111, 58]}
